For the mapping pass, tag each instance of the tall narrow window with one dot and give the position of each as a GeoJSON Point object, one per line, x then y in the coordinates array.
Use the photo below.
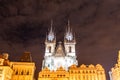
{"type": "Point", "coordinates": [27, 72]}
{"type": "Point", "coordinates": [49, 49]}
{"type": "Point", "coordinates": [70, 49]}
{"type": "Point", "coordinates": [22, 73]}
{"type": "Point", "coordinates": [16, 72]}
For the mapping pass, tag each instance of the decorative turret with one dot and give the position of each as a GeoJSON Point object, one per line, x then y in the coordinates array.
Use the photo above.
{"type": "Point", "coordinates": [69, 41]}
{"type": "Point", "coordinates": [50, 42]}
{"type": "Point", "coordinates": [4, 59]}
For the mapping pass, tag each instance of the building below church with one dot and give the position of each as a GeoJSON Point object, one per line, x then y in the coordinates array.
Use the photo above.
{"type": "Point", "coordinates": [22, 70]}
{"type": "Point", "coordinates": [115, 71]}
{"type": "Point", "coordinates": [83, 72]}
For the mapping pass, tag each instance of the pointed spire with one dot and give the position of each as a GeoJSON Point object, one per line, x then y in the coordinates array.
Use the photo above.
{"type": "Point", "coordinates": [69, 35]}
{"type": "Point", "coordinates": [51, 24]}
{"type": "Point", "coordinates": [69, 30]}
{"type": "Point", "coordinates": [68, 23]}
{"type": "Point", "coordinates": [51, 29]}
{"type": "Point", "coordinates": [51, 34]}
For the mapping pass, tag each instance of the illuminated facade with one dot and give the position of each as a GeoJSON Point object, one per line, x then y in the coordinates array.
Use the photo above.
{"type": "Point", "coordinates": [59, 55]}
{"type": "Point", "coordinates": [115, 71]}
{"type": "Point", "coordinates": [5, 69]}
{"type": "Point", "coordinates": [83, 72]}
{"type": "Point", "coordinates": [23, 70]}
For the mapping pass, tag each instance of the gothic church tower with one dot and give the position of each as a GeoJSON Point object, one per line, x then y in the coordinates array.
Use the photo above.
{"type": "Point", "coordinates": [57, 56]}
{"type": "Point", "coordinates": [69, 42]}
{"type": "Point", "coordinates": [50, 42]}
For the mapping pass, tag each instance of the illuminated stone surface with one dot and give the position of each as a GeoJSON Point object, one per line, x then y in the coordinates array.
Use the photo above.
{"type": "Point", "coordinates": [83, 72]}
{"type": "Point", "coordinates": [23, 70]}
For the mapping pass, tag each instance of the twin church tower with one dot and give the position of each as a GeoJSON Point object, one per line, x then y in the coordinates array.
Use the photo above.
{"type": "Point", "coordinates": [59, 55]}
{"type": "Point", "coordinates": [60, 62]}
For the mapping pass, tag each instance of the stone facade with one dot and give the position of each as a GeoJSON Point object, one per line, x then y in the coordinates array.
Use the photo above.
{"type": "Point", "coordinates": [83, 72]}
{"type": "Point", "coordinates": [23, 70]}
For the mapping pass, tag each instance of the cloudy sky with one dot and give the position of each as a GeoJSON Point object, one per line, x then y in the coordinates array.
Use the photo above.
{"type": "Point", "coordinates": [96, 23]}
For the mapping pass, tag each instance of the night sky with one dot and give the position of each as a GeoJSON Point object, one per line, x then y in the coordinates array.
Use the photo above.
{"type": "Point", "coordinates": [96, 23]}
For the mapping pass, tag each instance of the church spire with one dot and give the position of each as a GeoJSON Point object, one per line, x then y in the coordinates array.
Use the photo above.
{"type": "Point", "coordinates": [51, 35]}
{"type": "Point", "coordinates": [69, 34]}
{"type": "Point", "coordinates": [51, 23]}
{"type": "Point", "coordinates": [50, 41]}
{"type": "Point", "coordinates": [69, 23]}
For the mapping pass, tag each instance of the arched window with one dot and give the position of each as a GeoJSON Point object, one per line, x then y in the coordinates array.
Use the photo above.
{"type": "Point", "coordinates": [70, 49]}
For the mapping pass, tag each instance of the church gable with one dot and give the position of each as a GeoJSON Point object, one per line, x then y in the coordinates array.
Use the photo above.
{"type": "Point", "coordinates": [59, 51]}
